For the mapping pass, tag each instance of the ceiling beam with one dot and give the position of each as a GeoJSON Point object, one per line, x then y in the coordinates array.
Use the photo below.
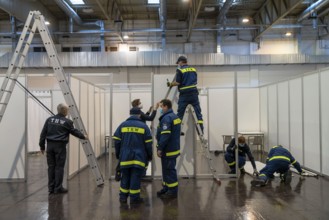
{"type": "Point", "coordinates": [266, 17]}
{"type": "Point", "coordinates": [193, 15]}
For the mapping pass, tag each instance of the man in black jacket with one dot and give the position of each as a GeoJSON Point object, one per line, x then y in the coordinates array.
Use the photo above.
{"type": "Point", "coordinates": [149, 115]}
{"type": "Point", "coordinates": [243, 150]}
{"type": "Point", "coordinates": [56, 131]}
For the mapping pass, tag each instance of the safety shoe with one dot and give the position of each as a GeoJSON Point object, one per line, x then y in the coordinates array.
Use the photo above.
{"type": "Point", "coordinates": [242, 171]}
{"type": "Point", "coordinates": [161, 192]}
{"type": "Point", "coordinates": [168, 195]}
{"type": "Point", "coordinates": [136, 201]}
{"type": "Point", "coordinates": [258, 182]}
{"type": "Point", "coordinates": [231, 172]}
{"type": "Point", "coordinates": [286, 177]}
{"type": "Point", "coordinates": [61, 191]}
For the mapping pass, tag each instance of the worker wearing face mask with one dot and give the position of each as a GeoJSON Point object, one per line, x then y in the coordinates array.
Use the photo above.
{"type": "Point", "coordinates": [243, 150]}
{"type": "Point", "coordinates": [150, 114]}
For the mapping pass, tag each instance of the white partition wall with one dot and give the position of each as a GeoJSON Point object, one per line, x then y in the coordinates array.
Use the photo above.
{"type": "Point", "coordinates": [272, 116]}
{"type": "Point", "coordinates": [221, 113]}
{"type": "Point", "coordinates": [283, 114]}
{"type": "Point", "coordinates": [13, 150]}
{"type": "Point", "coordinates": [296, 119]}
{"type": "Point", "coordinates": [74, 145]}
{"type": "Point", "coordinates": [304, 123]}
{"type": "Point", "coordinates": [263, 114]}
{"type": "Point", "coordinates": [97, 115]}
{"type": "Point", "coordinates": [91, 116]}
{"type": "Point", "coordinates": [121, 103]}
{"type": "Point", "coordinates": [324, 121]}
{"type": "Point", "coordinates": [311, 105]}
{"type": "Point", "coordinates": [84, 95]}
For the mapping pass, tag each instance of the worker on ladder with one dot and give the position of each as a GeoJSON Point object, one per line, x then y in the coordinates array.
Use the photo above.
{"type": "Point", "coordinates": [186, 79]}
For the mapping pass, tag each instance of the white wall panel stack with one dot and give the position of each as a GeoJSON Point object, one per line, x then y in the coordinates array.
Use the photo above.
{"type": "Point", "coordinates": [311, 104]}
{"type": "Point", "coordinates": [13, 136]}
{"type": "Point", "coordinates": [324, 121]}
{"type": "Point", "coordinates": [296, 119]}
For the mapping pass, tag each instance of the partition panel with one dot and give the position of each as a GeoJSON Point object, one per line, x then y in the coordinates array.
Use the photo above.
{"type": "Point", "coordinates": [220, 116]}
{"type": "Point", "coordinates": [248, 109]}
{"type": "Point", "coordinates": [311, 122]}
{"type": "Point", "coordinates": [272, 116]}
{"type": "Point", "coordinates": [103, 121]}
{"type": "Point", "coordinates": [13, 148]}
{"type": "Point", "coordinates": [296, 119]}
{"type": "Point", "coordinates": [74, 145]}
{"type": "Point", "coordinates": [121, 106]}
{"type": "Point", "coordinates": [57, 98]}
{"type": "Point", "coordinates": [283, 114]}
{"type": "Point", "coordinates": [324, 121]}
{"type": "Point", "coordinates": [84, 116]}
{"type": "Point", "coordinates": [97, 115]}
{"type": "Point", "coordinates": [264, 115]}
{"type": "Point", "coordinates": [91, 116]}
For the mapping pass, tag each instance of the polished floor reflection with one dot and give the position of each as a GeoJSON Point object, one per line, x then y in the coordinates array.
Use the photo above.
{"type": "Point", "coordinates": [198, 199]}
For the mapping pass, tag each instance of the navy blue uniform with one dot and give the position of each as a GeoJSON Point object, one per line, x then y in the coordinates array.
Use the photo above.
{"type": "Point", "coordinates": [278, 160]}
{"type": "Point", "coordinates": [168, 137]}
{"type": "Point", "coordinates": [187, 78]}
{"type": "Point", "coordinates": [56, 131]}
{"type": "Point", "coordinates": [133, 148]}
{"type": "Point", "coordinates": [243, 151]}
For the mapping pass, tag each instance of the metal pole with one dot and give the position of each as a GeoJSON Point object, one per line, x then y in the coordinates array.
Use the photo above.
{"type": "Point", "coordinates": [235, 118]}
{"type": "Point", "coordinates": [110, 126]}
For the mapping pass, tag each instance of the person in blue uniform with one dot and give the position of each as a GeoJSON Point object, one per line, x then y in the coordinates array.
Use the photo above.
{"type": "Point", "coordinates": [133, 148]}
{"type": "Point", "coordinates": [187, 79]}
{"type": "Point", "coordinates": [243, 151]}
{"type": "Point", "coordinates": [168, 148]}
{"type": "Point", "coordinates": [278, 160]}
{"type": "Point", "coordinates": [56, 131]}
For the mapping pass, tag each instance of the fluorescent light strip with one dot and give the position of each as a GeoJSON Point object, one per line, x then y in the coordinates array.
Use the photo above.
{"type": "Point", "coordinates": [153, 1]}
{"type": "Point", "coordinates": [77, 2]}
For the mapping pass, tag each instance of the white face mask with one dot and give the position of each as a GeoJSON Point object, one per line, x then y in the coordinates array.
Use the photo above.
{"type": "Point", "coordinates": [140, 106]}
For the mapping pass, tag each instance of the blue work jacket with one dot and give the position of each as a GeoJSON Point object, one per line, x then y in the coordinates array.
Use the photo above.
{"type": "Point", "coordinates": [187, 78]}
{"type": "Point", "coordinates": [168, 134]}
{"type": "Point", "coordinates": [133, 143]}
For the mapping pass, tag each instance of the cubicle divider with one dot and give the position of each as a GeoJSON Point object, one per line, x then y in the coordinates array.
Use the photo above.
{"type": "Point", "coordinates": [298, 115]}
{"type": "Point", "coordinates": [13, 136]}
{"type": "Point", "coordinates": [221, 115]}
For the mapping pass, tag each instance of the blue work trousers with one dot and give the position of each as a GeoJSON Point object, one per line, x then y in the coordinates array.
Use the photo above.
{"type": "Point", "coordinates": [230, 159]}
{"type": "Point", "coordinates": [193, 99]}
{"type": "Point", "coordinates": [131, 182]}
{"type": "Point", "coordinates": [169, 175]}
{"type": "Point", "coordinates": [279, 166]}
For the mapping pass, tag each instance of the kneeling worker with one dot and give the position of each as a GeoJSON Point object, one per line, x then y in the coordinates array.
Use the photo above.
{"type": "Point", "coordinates": [133, 148]}
{"type": "Point", "coordinates": [243, 150]}
{"type": "Point", "coordinates": [278, 160]}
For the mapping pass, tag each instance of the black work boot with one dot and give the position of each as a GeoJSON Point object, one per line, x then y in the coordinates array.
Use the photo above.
{"type": "Point", "coordinates": [242, 171]}
{"type": "Point", "coordinates": [258, 182]}
{"type": "Point", "coordinates": [136, 201]}
{"type": "Point", "coordinates": [162, 191]}
{"type": "Point", "coordinates": [286, 177]}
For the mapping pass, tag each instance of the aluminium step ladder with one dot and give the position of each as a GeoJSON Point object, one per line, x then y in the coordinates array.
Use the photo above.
{"type": "Point", "coordinates": [10, 80]}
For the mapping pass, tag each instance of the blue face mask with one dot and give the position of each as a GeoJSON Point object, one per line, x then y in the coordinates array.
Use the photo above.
{"type": "Point", "coordinates": [161, 111]}
{"type": "Point", "coordinates": [241, 145]}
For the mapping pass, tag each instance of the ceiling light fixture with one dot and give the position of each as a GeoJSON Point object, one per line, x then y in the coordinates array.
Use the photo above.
{"type": "Point", "coordinates": [77, 2]}
{"type": "Point", "coordinates": [245, 20]}
{"type": "Point", "coordinates": [153, 1]}
{"type": "Point", "coordinates": [47, 23]}
{"type": "Point", "coordinates": [126, 37]}
{"type": "Point", "coordinates": [288, 34]}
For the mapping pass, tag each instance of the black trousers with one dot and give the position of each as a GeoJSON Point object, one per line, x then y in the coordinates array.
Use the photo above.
{"type": "Point", "coordinates": [56, 157]}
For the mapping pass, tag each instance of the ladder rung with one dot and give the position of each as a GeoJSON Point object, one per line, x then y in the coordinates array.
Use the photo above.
{"type": "Point", "coordinates": [6, 91]}
{"type": "Point", "coordinates": [3, 103]}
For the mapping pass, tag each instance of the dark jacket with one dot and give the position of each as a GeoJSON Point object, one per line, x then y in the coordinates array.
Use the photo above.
{"type": "Point", "coordinates": [148, 116]}
{"type": "Point", "coordinates": [133, 143]}
{"type": "Point", "coordinates": [242, 152]}
{"type": "Point", "coordinates": [58, 129]}
{"type": "Point", "coordinates": [187, 78]}
{"type": "Point", "coordinates": [168, 134]}
{"type": "Point", "coordinates": [282, 154]}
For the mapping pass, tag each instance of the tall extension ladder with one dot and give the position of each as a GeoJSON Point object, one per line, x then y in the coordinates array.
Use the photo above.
{"type": "Point", "coordinates": [8, 87]}
{"type": "Point", "coordinates": [204, 143]}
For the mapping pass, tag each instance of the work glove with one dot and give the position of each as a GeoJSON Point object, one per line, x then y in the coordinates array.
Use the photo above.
{"type": "Point", "coordinates": [256, 173]}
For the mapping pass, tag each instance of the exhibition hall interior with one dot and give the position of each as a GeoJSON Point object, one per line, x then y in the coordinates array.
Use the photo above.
{"type": "Point", "coordinates": [238, 91]}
